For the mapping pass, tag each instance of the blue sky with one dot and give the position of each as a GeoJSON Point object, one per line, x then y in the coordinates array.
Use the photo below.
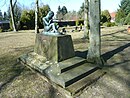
{"type": "Point", "coordinates": [110, 5]}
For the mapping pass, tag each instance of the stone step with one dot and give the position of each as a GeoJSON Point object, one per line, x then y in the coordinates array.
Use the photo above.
{"type": "Point", "coordinates": [77, 73]}
{"type": "Point", "coordinates": [71, 76]}
{"type": "Point", "coordinates": [78, 87]}
{"type": "Point", "coordinates": [71, 63]}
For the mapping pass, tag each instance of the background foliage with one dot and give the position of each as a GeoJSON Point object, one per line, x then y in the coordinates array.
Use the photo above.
{"type": "Point", "coordinates": [122, 16]}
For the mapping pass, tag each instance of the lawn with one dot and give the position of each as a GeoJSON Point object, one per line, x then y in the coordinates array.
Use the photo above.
{"type": "Point", "coordinates": [17, 81]}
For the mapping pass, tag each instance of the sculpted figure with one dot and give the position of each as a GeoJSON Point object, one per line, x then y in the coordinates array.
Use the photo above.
{"type": "Point", "coordinates": [49, 25]}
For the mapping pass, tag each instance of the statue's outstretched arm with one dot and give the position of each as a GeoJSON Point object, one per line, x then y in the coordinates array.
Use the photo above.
{"type": "Point", "coordinates": [50, 21]}
{"type": "Point", "coordinates": [46, 23]}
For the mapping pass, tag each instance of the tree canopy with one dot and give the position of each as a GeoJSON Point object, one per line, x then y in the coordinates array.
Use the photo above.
{"type": "Point", "coordinates": [105, 16]}
{"type": "Point", "coordinates": [61, 12]}
{"type": "Point", "coordinates": [81, 12]}
{"type": "Point", "coordinates": [28, 17]}
{"type": "Point", "coordinates": [120, 16]}
{"type": "Point", "coordinates": [1, 16]}
{"type": "Point", "coordinates": [127, 20]}
{"type": "Point", "coordinates": [123, 12]}
{"type": "Point", "coordinates": [125, 6]}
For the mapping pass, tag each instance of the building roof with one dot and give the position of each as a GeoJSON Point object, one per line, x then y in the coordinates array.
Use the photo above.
{"type": "Point", "coordinates": [113, 14]}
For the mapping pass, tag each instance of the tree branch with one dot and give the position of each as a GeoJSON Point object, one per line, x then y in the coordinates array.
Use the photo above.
{"type": "Point", "coordinates": [14, 3]}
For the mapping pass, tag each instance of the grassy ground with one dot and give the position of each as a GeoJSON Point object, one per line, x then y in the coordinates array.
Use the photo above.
{"type": "Point", "coordinates": [17, 81]}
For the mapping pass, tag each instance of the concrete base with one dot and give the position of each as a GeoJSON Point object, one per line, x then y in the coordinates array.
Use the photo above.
{"type": "Point", "coordinates": [70, 77]}
{"type": "Point", "coordinates": [54, 57]}
{"type": "Point", "coordinates": [54, 48]}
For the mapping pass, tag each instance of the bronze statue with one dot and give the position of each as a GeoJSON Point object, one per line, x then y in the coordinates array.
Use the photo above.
{"type": "Point", "coordinates": [50, 28]}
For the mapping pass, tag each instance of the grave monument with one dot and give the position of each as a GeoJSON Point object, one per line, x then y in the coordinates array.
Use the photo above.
{"type": "Point", "coordinates": [54, 57]}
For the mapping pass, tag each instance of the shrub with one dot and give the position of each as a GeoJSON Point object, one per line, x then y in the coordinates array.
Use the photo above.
{"type": "Point", "coordinates": [81, 22]}
{"type": "Point", "coordinates": [25, 27]}
{"type": "Point", "coordinates": [10, 29]}
{"type": "Point", "coordinates": [105, 16]}
{"type": "Point", "coordinates": [77, 22]}
{"type": "Point", "coordinates": [1, 30]}
{"type": "Point", "coordinates": [109, 24]}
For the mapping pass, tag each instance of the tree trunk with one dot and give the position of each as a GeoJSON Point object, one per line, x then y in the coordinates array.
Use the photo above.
{"type": "Point", "coordinates": [94, 51]}
{"type": "Point", "coordinates": [36, 18]}
{"type": "Point", "coordinates": [86, 19]}
{"type": "Point", "coordinates": [12, 15]}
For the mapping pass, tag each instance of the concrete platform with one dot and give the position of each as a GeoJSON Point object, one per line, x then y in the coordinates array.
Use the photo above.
{"type": "Point", "coordinates": [54, 58]}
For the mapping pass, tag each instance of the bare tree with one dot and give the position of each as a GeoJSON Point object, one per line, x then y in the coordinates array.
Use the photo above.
{"type": "Point", "coordinates": [36, 18]}
{"type": "Point", "coordinates": [94, 51]}
{"type": "Point", "coordinates": [86, 19]}
{"type": "Point", "coordinates": [12, 14]}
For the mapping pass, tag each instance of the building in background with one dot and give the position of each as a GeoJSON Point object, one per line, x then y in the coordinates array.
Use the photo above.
{"type": "Point", "coordinates": [5, 25]}
{"type": "Point", "coordinates": [113, 15]}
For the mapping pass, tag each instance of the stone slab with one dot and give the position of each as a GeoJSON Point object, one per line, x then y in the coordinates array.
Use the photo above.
{"type": "Point", "coordinates": [71, 63]}
{"type": "Point", "coordinates": [81, 85]}
{"type": "Point", "coordinates": [35, 61]}
{"type": "Point", "coordinates": [71, 76]}
{"type": "Point", "coordinates": [74, 81]}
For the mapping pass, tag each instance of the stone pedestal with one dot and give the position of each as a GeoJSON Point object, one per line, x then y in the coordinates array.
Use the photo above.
{"type": "Point", "coordinates": [54, 57]}
{"type": "Point", "coordinates": [54, 48]}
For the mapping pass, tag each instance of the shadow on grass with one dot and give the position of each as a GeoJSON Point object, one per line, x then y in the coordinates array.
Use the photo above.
{"type": "Point", "coordinates": [10, 68]}
{"type": "Point", "coordinates": [113, 89]}
{"type": "Point", "coordinates": [119, 74]}
{"type": "Point", "coordinates": [80, 40]}
{"type": "Point", "coordinates": [118, 63]}
{"type": "Point", "coordinates": [106, 56]}
{"type": "Point", "coordinates": [53, 93]}
{"type": "Point", "coordinates": [16, 72]}
{"type": "Point", "coordinates": [115, 32]}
